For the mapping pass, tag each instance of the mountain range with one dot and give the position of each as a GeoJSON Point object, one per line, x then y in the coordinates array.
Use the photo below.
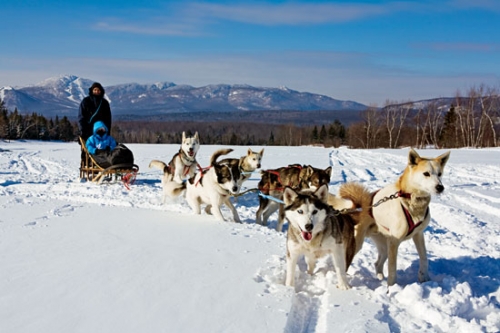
{"type": "Point", "coordinates": [61, 96]}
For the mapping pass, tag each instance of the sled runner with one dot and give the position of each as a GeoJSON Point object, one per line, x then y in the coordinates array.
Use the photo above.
{"type": "Point", "coordinates": [91, 170]}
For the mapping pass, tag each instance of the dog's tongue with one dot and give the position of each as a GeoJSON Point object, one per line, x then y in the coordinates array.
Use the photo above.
{"type": "Point", "coordinates": [191, 153]}
{"type": "Point", "coordinates": [307, 235]}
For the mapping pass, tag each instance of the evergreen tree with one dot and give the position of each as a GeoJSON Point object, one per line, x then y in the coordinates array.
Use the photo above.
{"type": "Point", "coordinates": [271, 139]}
{"type": "Point", "coordinates": [315, 135]}
{"type": "Point", "coordinates": [322, 134]}
{"type": "Point", "coordinates": [4, 120]}
{"type": "Point", "coordinates": [448, 137]}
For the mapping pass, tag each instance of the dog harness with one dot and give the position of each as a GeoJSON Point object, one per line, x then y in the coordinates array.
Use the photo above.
{"type": "Point", "coordinates": [409, 219]}
{"type": "Point", "coordinates": [188, 162]}
{"type": "Point", "coordinates": [265, 189]}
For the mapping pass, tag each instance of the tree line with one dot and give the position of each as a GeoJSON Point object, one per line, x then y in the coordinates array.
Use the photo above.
{"type": "Point", "coordinates": [472, 120]}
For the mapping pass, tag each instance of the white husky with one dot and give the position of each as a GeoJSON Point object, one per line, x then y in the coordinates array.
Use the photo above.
{"type": "Point", "coordinates": [214, 186]}
{"type": "Point", "coordinates": [181, 167]}
{"type": "Point", "coordinates": [401, 212]}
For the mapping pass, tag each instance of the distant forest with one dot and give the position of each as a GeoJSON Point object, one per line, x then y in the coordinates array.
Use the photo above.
{"type": "Point", "coordinates": [471, 121]}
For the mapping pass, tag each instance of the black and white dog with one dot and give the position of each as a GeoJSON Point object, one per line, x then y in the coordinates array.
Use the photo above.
{"type": "Point", "coordinates": [214, 186]}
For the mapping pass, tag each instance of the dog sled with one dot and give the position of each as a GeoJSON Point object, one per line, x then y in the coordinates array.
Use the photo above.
{"type": "Point", "coordinates": [91, 170]}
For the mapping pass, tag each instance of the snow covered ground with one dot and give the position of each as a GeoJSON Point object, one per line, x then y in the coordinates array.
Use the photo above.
{"type": "Point", "coordinates": [79, 257]}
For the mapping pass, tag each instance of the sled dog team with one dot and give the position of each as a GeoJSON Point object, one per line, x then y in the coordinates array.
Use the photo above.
{"type": "Point", "coordinates": [320, 223]}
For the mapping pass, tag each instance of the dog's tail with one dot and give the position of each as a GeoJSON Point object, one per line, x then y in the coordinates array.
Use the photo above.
{"type": "Point", "coordinates": [158, 165]}
{"type": "Point", "coordinates": [359, 195]}
{"type": "Point", "coordinates": [220, 152]}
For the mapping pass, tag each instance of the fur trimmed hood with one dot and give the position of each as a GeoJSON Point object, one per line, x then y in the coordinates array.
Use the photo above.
{"type": "Point", "coordinates": [98, 85]}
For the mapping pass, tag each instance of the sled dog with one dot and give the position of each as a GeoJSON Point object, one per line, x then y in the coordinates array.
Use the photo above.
{"type": "Point", "coordinates": [316, 230]}
{"type": "Point", "coordinates": [181, 167]}
{"type": "Point", "coordinates": [247, 164]}
{"type": "Point", "coordinates": [401, 212]}
{"type": "Point", "coordinates": [214, 186]}
{"type": "Point", "coordinates": [273, 182]}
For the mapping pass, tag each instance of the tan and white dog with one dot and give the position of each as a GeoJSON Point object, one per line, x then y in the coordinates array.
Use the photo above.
{"type": "Point", "coordinates": [316, 230]}
{"type": "Point", "coordinates": [214, 186]}
{"type": "Point", "coordinates": [247, 164]}
{"type": "Point", "coordinates": [397, 212]}
{"type": "Point", "coordinates": [181, 167]}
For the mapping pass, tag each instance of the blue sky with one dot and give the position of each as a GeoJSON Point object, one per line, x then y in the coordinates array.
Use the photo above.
{"type": "Point", "coordinates": [366, 51]}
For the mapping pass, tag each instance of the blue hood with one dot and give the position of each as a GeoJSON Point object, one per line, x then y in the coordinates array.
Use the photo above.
{"type": "Point", "coordinates": [99, 124]}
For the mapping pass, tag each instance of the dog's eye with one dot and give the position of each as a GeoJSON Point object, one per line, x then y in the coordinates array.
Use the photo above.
{"type": "Point", "coordinates": [314, 212]}
{"type": "Point", "coordinates": [426, 174]}
{"type": "Point", "coordinates": [300, 211]}
{"type": "Point", "coordinates": [439, 174]}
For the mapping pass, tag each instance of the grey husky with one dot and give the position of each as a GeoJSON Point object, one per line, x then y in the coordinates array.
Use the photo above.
{"type": "Point", "coordinates": [316, 230]}
{"type": "Point", "coordinates": [181, 167]}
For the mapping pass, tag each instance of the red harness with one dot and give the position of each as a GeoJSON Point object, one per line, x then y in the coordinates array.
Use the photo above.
{"type": "Point", "coordinates": [265, 189]}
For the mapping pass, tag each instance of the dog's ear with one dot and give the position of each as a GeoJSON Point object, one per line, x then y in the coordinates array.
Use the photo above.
{"type": "Point", "coordinates": [442, 159]}
{"type": "Point", "coordinates": [309, 171]}
{"type": "Point", "coordinates": [289, 195]}
{"type": "Point", "coordinates": [328, 171]}
{"type": "Point", "coordinates": [322, 193]}
{"type": "Point", "coordinates": [261, 152]}
{"type": "Point", "coordinates": [413, 158]}
{"type": "Point", "coordinates": [183, 136]}
{"type": "Point", "coordinates": [249, 152]}
{"type": "Point", "coordinates": [196, 135]}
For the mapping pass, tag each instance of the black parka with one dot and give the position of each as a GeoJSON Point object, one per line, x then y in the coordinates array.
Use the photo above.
{"type": "Point", "coordinates": [93, 108]}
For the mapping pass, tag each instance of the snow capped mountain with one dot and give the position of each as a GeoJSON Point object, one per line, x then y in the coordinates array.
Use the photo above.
{"type": "Point", "coordinates": [61, 96]}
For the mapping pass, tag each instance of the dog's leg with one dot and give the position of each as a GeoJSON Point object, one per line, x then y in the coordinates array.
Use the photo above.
{"type": "Point", "coordinates": [338, 257]}
{"type": "Point", "coordinates": [291, 264]}
{"type": "Point", "coordinates": [281, 218]}
{"type": "Point", "coordinates": [233, 210]}
{"type": "Point", "coordinates": [381, 244]}
{"type": "Point", "coordinates": [423, 271]}
{"type": "Point", "coordinates": [311, 262]}
{"type": "Point", "coordinates": [359, 235]}
{"type": "Point", "coordinates": [268, 211]}
{"type": "Point", "coordinates": [194, 204]}
{"type": "Point", "coordinates": [392, 246]}
{"type": "Point", "coordinates": [262, 204]}
{"type": "Point", "coordinates": [216, 205]}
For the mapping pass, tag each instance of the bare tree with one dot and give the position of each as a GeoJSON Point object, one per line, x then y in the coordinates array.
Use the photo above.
{"type": "Point", "coordinates": [394, 116]}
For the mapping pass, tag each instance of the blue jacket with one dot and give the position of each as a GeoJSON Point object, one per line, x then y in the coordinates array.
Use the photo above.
{"type": "Point", "coordinates": [97, 141]}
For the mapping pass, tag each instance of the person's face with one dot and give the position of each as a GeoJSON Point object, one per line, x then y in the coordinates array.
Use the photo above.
{"type": "Point", "coordinates": [101, 131]}
{"type": "Point", "coordinates": [96, 91]}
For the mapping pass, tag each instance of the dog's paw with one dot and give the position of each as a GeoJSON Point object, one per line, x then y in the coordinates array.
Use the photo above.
{"type": "Point", "coordinates": [423, 277]}
{"type": "Point", "coordinates": [380, 276]}
{"type": "Point", "coordinates": [343, 286]}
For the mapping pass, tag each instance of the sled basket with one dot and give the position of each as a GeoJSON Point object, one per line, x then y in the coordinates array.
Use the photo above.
{"type": "Point", "coordinates": [92, 171]}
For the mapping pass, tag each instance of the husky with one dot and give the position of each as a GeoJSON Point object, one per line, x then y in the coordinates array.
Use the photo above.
{"type": "Point", "coordinates": [181, 167]}
{"type": "Point", "coordinates": [316, 230]}
{"type": "Point", "coordinates": [398, 212]}
{"type": "Point", "coordinates": [273, 182]}
{"type": "Point", "coordinates": [214, 186]}
{"type": "Point", "coordinates": [247, 164]}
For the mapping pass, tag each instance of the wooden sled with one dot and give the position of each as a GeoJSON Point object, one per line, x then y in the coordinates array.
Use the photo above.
{"type": "Point", "coordinates": [92, 171]}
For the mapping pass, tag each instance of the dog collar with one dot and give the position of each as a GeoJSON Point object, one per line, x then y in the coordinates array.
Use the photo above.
{"type": "Point", "coordinates": [405, 195]}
